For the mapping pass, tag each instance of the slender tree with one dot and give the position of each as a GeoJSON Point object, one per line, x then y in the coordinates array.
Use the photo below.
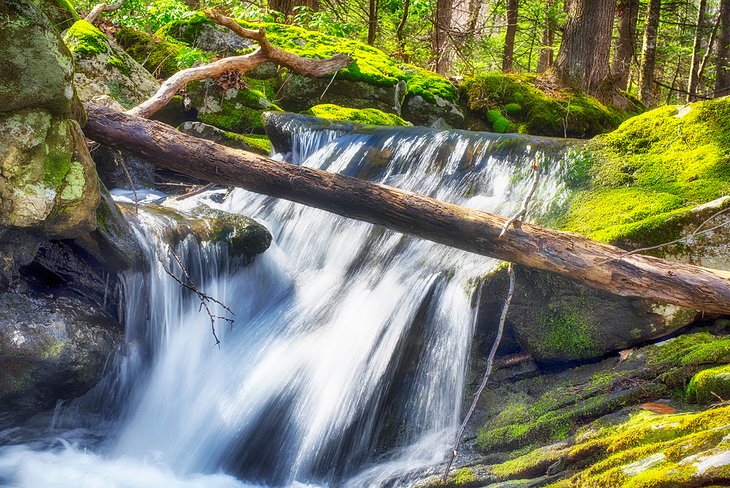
{"type": "Point", "coordinates": [722, 77]}
{"type": "Point", "coordinates": [399, 33]}
{"type": "Point", "coordinates": [286, 7]}
{"type": "Point", "coordinates": [694, 78]}
{"type": "Point", "coordinates": [548, 37]}
{"type": "Point", "coordinates": [648, 52]}
{"type": "Point", "coordinates": [373, 21]}
{"type": "Point", "coordinates": [583, 59]}
{"type": "Point", "coordinates": [627, 12]}
{"type": "Point", "coordinates": [509, 38]}
{"type": "Point", "coordinates": [440, 58]}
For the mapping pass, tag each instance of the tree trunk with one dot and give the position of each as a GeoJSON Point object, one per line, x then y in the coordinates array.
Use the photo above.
{"type": "Point", "coordinates": [593, 263]}
{"type": "Point", "coordinates": [509, 37]}
{"type": "Point", "coordinates": [399, 37]}
{"type": "Point", "coordinates": [373, 21]}
{"type": "Point", "coordinates": [586, 47]}
{"type": "Point", "coordinates": [286, 7]}
{"type": "Point", "coordinates": [648, 52]}
{"type": "Point", "coordinates": [475, 8]}
{"type": "Point", "coordinates": [548, 37]}
{"type": "Point", "coordinates": [627, 12]}
{"type": "Point", "coordinates": [440, 58]}
{"type": "Point", "coordinates": [722, 78]}
{"type": "Point", "coordinates": [694, 78]}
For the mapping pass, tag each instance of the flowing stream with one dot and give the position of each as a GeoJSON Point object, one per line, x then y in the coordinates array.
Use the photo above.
{"type": "Point", "coordinates": [347, 360]}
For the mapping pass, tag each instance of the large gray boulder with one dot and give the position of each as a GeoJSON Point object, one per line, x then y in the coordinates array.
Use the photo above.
{"type": "Point", "coordinates": [440, 113]}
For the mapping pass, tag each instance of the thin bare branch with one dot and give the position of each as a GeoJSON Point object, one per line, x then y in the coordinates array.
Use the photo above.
{"type": "Point", "coordinates": [516, 219]}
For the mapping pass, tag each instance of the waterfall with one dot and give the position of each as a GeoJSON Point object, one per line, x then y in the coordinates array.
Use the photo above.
{"type": "Point", "coordinates": [347, 360]}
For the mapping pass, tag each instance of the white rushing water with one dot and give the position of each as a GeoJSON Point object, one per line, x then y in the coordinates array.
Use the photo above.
{"type": "Point", "coordinates": [347, 360]}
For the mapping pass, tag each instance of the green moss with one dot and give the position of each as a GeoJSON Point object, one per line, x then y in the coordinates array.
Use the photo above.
{"type": "Point", "coordinates": [500, 123]}
{"type": "Point", "coordinates": [655, 166]}
{"type": "Point", "coordinates": [83, 38]}
{"type": "Point", "coordinates": [162, 57]}
{"type": "Point", "coordinates": [367, 116]}
{"type": "Point", "coordinates": [370, 65]}
{"type": "Point", "coordinates": [464, 476]}
{"type": "Point", "coordinates": [692, 350]}
{"type": "Point", "coordinates": [259, 143]}
{"type": "Point", "coordinates": [535, 111]}
{"type": "Point", "coordinates": [710, 385]}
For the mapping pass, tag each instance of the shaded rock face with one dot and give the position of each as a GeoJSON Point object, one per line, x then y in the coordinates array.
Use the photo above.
{"type": "Point", "coordinates": [299, 93]}
{"type": "Point", "coordinates": [556, 319]}
{"type": "Point", "coordinates": [51, 348]}
{"type": "Point", "coordinates": [441, 114]}
{"type": "Point", "coordinates": [48, 183]}
{"type": "Point", "coordinates": [103, 68]}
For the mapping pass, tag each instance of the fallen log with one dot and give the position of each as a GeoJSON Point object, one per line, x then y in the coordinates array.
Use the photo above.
{"type": "Point", "coordinates": [573, 256]}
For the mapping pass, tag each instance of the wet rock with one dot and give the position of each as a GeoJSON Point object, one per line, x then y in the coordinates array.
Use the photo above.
{"type": "Point", "coordinates": [282, 126]}
{"type": "Point", "coordinates": [51, 348]}
{"type": "Point", "coordinates": [103, 68]}
{"type": "Point", "coordinates": [440, 113]}
{"type": "Point", "coordinates": [299, 93]}
{"type": "Point", "coordinates": [556, 319]}
{"type": "Point", "coordinates": [251, 143]}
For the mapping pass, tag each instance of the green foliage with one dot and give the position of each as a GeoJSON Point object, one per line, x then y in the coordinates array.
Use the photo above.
{"type": "Point", "coordinates": [367, 116]}
{"type": "Point", "coordinates": [654, 166]}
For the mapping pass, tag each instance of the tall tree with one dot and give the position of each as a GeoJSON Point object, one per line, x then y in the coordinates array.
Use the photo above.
{"type": "Point", "coordinates": [399, 36]}
{"type": "Point", "coordinates": [648, 51]}
{"type": "Point", "coordinates": [548, 37]}
{"type": "Point", "coordinates": [440, 58]}
{"type": "Point", "coordinates": [694, 78]}
{"type": "Point", "coordinates": [584, 54]}
{"type": "Point", "coordinates": [509, 38]}
{"type": "Point", "coordinates": [286, 7]}
{"type": "Point", "coordinates": [722, 78]}
{"type": "Point", "coordinates": [627, 12]}
{"type": "Point", "coordinates": [373, 21]}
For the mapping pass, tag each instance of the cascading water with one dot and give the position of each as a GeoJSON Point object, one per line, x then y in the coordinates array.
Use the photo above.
{"type": "Point", "coordinates": [347, 360]}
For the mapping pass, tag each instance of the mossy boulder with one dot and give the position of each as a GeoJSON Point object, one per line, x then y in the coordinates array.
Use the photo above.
{"type": "Point", "coordinates": [710, 385]}
{"type": "Point", "coordinates": [366, 116]}
{"type": "Point", "coordinates": [36, 69]}
{"type": "Point", "coordinates": [440, 113]}
{"type": "Point", "coordinates": [103, 68]}
{"type": "Point", "coordinates": [252, 143]}
{"type": "Point", "coordinates": [51, 348]}
{"type": "Point", "coordinates": [528, 104]}
{"type": "Point", "coordinates": [556, 319]}
{"type": "Point", "coordinates": [654, 166]}
{"type": "Point", "coordinates": [162, 57]}
{"type": "Point", "coordinates": [231, 109]}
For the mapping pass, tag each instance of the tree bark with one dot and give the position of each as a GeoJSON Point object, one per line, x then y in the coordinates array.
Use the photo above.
{"type": "Point", "coordinates": [648, 52]}
{"type": "Point", "coordinates": [373, 21]}
{"type": "Point", "coordinates": [509, 37]}
{"type": "Point", "coordinates": [627, 12]}
{"type": "Point", "coordinates": [399, 37]}
{"type": "Point", "coordinates": [440, 58]}
{"type": "Point", "coordinates": [548, 37]}
{"type": "Point", "coordinates": [694, 79]}
{"type": "Point", "coordinates": [722, 77]}
{"type": "Point", "coordinates": [286, 7]}
{"type": "Point", "coordinates": [583, 59]}
{"type": "Point", "coordinates": [595, 264]}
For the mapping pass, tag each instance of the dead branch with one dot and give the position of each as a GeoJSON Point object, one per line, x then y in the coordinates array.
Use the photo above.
{"type": "Point", "coordinates": [101, 8]}
{"type": "Point", "coordinates": [266, 52]}
{"type": "Point", "coordinates": [487, 370]}
{"type": "Point", "coordinates": [516, 219]}
{"type": "Point", "coordinates": [204, 298]}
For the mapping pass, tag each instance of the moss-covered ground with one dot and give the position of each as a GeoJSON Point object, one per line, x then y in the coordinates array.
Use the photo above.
{"type": "Point", "coordinates": [524, 103]}
{"type": "Point", "coordinates": [655, 165]}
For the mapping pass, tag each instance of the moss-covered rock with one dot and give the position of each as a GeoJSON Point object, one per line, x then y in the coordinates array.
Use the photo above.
{"type": "Point", "coordinates": [103, 68]}
{"type": "Point", "coordinates": [258, 144]}
{"type": "Point", "coordinates": [655, 166]}
{"type": "Point", "coordinates": [710, 385]}
{"type": "Point", "coordinates": [517, 103]}
{"type": "Point", "coordinates": [36, 70]}
{"type": "Point", "coordinates": [366, 116]}
{"type": "Point", "coordinates": [162, 57]}
{"type": "Point", "coordinates": [61, 12]}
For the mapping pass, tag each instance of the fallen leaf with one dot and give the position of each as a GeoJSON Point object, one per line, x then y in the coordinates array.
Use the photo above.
{"type": "Point", "coordinates": [658, 408]}
{"type": "Point", "coordinates": [625, 354]}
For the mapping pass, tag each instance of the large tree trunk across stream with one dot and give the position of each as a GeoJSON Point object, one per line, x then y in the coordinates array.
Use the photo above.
{"type": "Point", "coordinates": [592, 263]}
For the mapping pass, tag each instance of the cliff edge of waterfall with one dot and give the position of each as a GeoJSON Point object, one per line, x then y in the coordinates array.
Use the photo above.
{"type": "Point", "coordinates": [589, 389]}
